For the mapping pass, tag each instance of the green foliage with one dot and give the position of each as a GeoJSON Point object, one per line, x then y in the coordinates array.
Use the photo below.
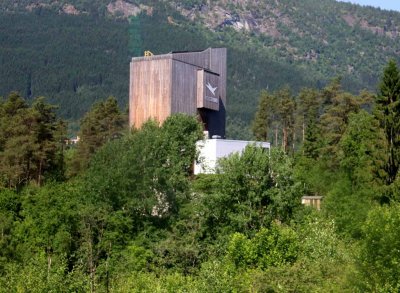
{"type": "Point", "coordinates": [388, 112]}
{"type": "Point", "coordinates": [35, 276]}
{"type": "Point", "coordinates": [240, 251]}
{"type": "Point", "coordinates": [85, 61]}
{"type": "Point", "coordinates": [242, 194]}
{"type": "Point", "coordinates": [276, 246]}
{"type": "Point", "coordinates": [361, 173]}
{"type": "Point", "coordinates": [307, 112]}
{"type": "Point", "coordinates": [348, 206]}
{"type": "Point", "coordinates": [9, 206]}
{"type": "Point", "coordinates": [135, 40]}
{"type": "Point", "coordinates": [360, 152]}
{"type": "Point", "coordinates": [135, 258]}
{"type": "Point", "coordinates": [252, 189]}
{"type": "Point", "coordinates": [264, 116]}
{"type": "Point", "coordinates": [92, 220]}
{"type": "Point", "coordinates": [49, 221]}
{"type": "Point", "coordinates": [181, 132]}
{"type": "Point", "coordinates": [205, 183]}
{"type": "Point", "coordinates": [318, 240]}
{"type": "Point", "coordinates": [275, 113]}
{"type": "Point", "coordinates": [269, 247]}
{"type": "Point", "coordinates": [30, 146]}
{"type": "Point", "coordinates": [325, 262]}
{"type": "Point", "coordinates": [237, 129]}
{"type": "Point", "coordinates": [380, 258]}
{"type": "Point", "coordinates": [103, 123]}
{"type": "Point", "coordinates": [39, 248]}
{"type": "Point", "coordinates": [335, 119]}
{"type": "Point", "coordinates": [312, 142]}
{"type": "Point", "coordinates": [357, 151]}
{"type": "Point", "coordinates": [314, 120]}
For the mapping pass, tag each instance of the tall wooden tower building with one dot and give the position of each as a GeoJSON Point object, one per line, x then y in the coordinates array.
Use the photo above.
{"type": "Point", "coordinates": [180, 82]}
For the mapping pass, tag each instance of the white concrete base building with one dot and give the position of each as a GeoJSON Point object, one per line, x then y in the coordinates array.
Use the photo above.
{"type": "Point", "coordinates": [210, 150]}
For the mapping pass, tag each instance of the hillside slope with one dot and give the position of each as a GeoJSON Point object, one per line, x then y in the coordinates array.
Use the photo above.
{"type": "Point", "coordinates": [77, 51]}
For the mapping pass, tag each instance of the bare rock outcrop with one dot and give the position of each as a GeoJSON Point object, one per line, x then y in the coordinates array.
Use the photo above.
{"type": "Point", "coordinates": [70, 9]}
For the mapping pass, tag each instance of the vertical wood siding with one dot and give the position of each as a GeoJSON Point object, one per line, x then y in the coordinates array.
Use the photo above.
{"type": "Point", "coordinates": [165, 84]}
{"type": "Point", "coordinates": [184, 89]}
{"type": "Point", "coordinates": [150, 90]}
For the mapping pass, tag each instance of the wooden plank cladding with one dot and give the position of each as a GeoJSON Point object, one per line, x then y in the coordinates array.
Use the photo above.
{"type": "Point", "coordinates": [179, 82]}
{"type": "Point", "coordinates": [150, 91]}
{"type": "Point", "coordinates": [207, 90]}
{"type": "Point", "coordinates": [184, 78]}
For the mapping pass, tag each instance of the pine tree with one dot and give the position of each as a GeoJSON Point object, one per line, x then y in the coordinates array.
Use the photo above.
{"type": "Point", "coordinates": [307, 110]}
{"type": "Point", "coordinates": [335, 119]}
{"type": "Point", "coordinates": [388, 113]}
{"type": "Point", "coordinates": [101, 124]}
{"type": "Point", "coordinates": [264, 116]}
{"type": "Point", "coordinates": [312, 140]}
{"type": "Point", "coordinates": [286, 110]}
{"type": "Point", "coordinates": [47, 144]}
{"type": "Point", "coordinates": [28, 145]}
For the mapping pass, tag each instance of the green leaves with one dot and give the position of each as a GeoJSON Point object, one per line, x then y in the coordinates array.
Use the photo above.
{"type": "Point", "coordinates": [252, 190]}
{"type": "Point", "coordinates": [380, 254]}
{"type": "Point", "coordinates": [240, 251]}
{"type": "Point", "coordinates": [361, 149]}
{"type": "Point", "coordinates": [149, 168]}
{"type": "Point", "coordinates": [275, 246]}
{"type": "Point", "coordinates": [137, 219]}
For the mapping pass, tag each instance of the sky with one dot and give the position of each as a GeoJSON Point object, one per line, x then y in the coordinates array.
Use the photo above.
{"type": "Point", "coordinates": [383, 4]}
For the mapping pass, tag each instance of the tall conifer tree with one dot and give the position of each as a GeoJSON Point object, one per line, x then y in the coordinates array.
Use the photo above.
{"type": "Point", "coordinates": [388, 112]}
{"type": "Point", "coordinates": [101, 124]}
{"type": "Point", "coordinates": [264, 116]}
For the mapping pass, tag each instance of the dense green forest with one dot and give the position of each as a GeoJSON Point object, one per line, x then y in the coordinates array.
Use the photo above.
{"type": "Point", "coordinates": [122, 212]}
{"type": "Point", "coordinates": [75, 60]}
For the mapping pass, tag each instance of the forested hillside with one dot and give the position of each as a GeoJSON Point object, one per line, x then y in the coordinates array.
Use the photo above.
{"type": "Point", "coordinates": [77, 52]}
{"type": "Point", "coordinates": [74, 61]}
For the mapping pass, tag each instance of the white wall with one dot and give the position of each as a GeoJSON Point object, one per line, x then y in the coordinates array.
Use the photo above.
{"type": "Point", "coordinates": [210, 150]}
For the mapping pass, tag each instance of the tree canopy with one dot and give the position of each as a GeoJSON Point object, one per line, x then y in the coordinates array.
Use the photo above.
{"type": "Point", "coordinates": [136, 218]}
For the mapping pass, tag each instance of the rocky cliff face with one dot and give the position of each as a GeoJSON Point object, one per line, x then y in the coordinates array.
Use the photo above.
{"type": "Point", "coordinates": [267, 17]}
{"type": "Point", "coordinates": [303, 29]}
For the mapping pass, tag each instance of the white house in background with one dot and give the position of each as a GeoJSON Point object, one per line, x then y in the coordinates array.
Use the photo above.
{"type": "Point", "coordinates": [210, 150]}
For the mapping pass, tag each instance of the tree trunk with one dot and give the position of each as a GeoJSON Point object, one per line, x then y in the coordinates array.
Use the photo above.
{"type": "Point", "coordinates": [294, 140]}
{"type": "Point", "coordinates": [285, 139]}
{"type": "Point", "coordinates": [40, 172]}
{"type": "Point", "coordinates": [48, 263]}
{"type": "Point", "coordinates": [92, 269]}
